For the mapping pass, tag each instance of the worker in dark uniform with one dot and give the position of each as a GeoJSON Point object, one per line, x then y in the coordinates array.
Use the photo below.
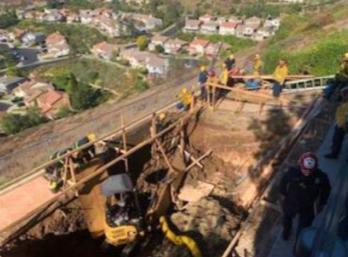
{"type": "Point", "coordinates": [202, 83]}
{"type": "Point", "coordinates": [340, 81]}
{"type": "Point", "coordinates": [305, 190]}
{"type": "Point", "coordinates": [230, 62]}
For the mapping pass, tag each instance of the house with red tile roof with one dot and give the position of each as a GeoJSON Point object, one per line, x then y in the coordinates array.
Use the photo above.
{"type": "Point", "coordinates": [198, 46]}
{"type": "Point", "coordinates": [57, 45]}
{"type": "Point", "coordinates": [228, 28]}
{"type": "Point", "coordinates": [104, 50]}
{"type": "Point", "coordinates": [51, 101]}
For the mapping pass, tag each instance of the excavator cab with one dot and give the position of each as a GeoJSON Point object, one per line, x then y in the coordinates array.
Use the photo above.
{"type": "Point", "coordinates": [123, 217]}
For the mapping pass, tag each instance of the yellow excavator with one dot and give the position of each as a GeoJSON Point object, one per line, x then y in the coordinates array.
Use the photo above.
{"type": "Point", "coordinates": [124, 222]}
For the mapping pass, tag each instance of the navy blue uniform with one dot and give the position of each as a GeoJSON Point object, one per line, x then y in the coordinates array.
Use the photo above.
{"type": "Point", "coordinates": [301, 193]}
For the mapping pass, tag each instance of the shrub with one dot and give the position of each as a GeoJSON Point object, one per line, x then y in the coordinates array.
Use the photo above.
{"type": "Point", "coordinates": [141, 85]}
{"type": "Point", "coordinates": [13, 123]}
{"type": "Point", "coordinates": [142, 42]}
{"type": "Point", "coordinates": [8, 19]}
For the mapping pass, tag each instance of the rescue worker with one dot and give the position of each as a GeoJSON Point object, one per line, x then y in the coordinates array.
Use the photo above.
{"type": "Point", "coordinates": [341, 79]}
{"type": "Point", "coordinates": [230, 62]}
{"type": "Point", "coordinates": [224, 76]}
{"type": "Point", "coordinates": [212, 79]}
{"type": "Point", "coordinates": [305, 190]}
{"type": "Point", "coordinates": [185, 99]}
{"type": "Point", "coordinates": [88, 153]}
{"type": "Point", "coordinates": [255, 83]}
{"type": "Point", "coordinates": [53, 173]}
{"type": "Point", "coordinates": [162, 122]}
{"type": "Point", "coordinates": [202, 83]}
{"type": "Point", "coordinates": [279, 76]}
{"type": "Point", "coordinates": [340, 127]}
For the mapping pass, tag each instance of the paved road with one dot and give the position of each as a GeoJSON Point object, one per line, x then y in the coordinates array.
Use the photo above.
{"type": "Point", "coordinates": [30, 55]}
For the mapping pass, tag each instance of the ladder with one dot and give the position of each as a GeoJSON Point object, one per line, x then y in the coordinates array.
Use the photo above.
{"type": "Point", "coordinates": [306, 84]}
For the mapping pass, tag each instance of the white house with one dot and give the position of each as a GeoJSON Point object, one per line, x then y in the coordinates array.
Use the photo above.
{"type": "Point", "coordinates": [198, 46]}
{"type": "Point", "coordinates": [272, 23]}
{"type": "Point", "coordinates": [253, 22]}
{"type": "Point", "coordinates": [156, 65]}
{"type": "Point", "coordinates": [57, 45]}
{"type": "Point", "coordinates": [228, 28]}
{"type": "Point", "coordinates": [31, 38]}
{"type": "Point", "coordinates": [86, 16]}
{"type": "Point", "coordinates": [209, 27]}
{"type": "Point", "coordinates": [206, 18]}
{"type": "Point", "coordinates": [104, 50]}
{"type": "Point", "coordinates": [157, 40]}
{"type": "Point", "coordinates": [192, 25]}
{"type": "Point", "coordinates": [173, 46]}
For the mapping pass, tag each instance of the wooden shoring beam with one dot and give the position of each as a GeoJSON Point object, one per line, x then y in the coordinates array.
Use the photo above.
{"type": "Point", "coordinates": [209, 152]}
{"type": "Point", "coordinates": [124, 141]}
{"type": "Point", "coordinates": [100, 170]}
{"type": "Point", "coordinates": [166, 159]}
{"type": "Point", "coordinates": [262, 98]}
{"type": "Point", "coordinates": [193, 159]}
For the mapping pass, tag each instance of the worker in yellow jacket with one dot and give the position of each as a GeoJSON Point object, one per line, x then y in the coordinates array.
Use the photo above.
{"type": "Point", "coordinates": [224, 75]}
{"type": "Point", "coordinates": [255, 83]}
{"type": "Point", "coordinates": [341, 126]}
{"type": "Point", "coordinates": [185, 99]}
{"type": "Point", "coordinates": [279, 76]}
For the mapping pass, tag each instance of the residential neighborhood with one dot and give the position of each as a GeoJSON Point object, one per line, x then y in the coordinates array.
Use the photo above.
{"type": "Point", "coordinates": [255, 28]}
{"type": "Point", "coordinates": [26, 93]}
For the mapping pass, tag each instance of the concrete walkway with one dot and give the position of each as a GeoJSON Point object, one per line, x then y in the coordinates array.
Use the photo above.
{"type": "Point", "coordinates": [331, 168]}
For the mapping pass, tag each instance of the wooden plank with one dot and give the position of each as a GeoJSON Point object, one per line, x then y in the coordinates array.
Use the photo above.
{"type": "Point", "coordinates": [193, 159]}
{"type": "Point", "coordinates": [271, 77]}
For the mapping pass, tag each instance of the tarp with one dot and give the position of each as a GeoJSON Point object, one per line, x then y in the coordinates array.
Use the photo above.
{"type": "Point", "coordinates": [117, 184]}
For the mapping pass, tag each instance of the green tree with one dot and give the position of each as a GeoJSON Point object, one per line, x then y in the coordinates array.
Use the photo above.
{"type": "Point", "coordinates": [13, 123]}
{"type": "Point", "coordinates": [82, 96]}
{"type": "Point", "coordinates": [141, 85]}
{"type": "Point", "coordinates": [63, 112]}
{"type": "Point", "coordinates": [8, 19]}
{"type": "Point", "coordinates": [142, 42]}
{"type": "Point", "coordinates": [159, 49]}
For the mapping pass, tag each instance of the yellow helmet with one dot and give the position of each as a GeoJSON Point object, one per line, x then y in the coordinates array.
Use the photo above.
{"type": "Point", "coordinates": [203, 68]}
{"type": "Point", "coordinates": [91, 137]}
{"type": "Point", "coordinates": [257, 56]}
{"type": "Point", "coordinates": [53, 185]}
{"type": "Point", "coordinates": [162, 116]}
{"type": "Point", "coordinates": [345, 58]}
{"type": "Point", "coordinates": [231, 56]}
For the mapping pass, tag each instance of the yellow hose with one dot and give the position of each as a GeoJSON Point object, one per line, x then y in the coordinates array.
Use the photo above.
{"type": "Point", "coordinates": [180, 240]}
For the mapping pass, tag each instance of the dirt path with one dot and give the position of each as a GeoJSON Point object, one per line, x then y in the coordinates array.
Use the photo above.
{"type": "Point", "coordinates": [25, 151]}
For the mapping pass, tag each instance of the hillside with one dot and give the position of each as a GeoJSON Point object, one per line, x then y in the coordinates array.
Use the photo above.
{"type": "Point", "coordinates": [313, 43]}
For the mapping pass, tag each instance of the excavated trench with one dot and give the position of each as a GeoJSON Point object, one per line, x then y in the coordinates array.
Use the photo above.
{"type": "Point", "coordinates": [212, 201]}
